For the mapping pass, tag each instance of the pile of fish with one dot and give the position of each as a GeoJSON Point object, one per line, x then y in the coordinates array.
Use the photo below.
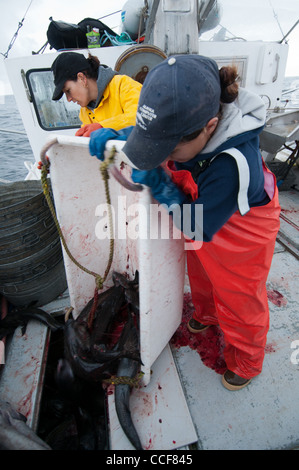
{"type": "Point", "coordinates": [19, 317]}
{"type": "Point", "coordinates": [109, 347]}
{"type": "Point", "coordinates": [100, 345]}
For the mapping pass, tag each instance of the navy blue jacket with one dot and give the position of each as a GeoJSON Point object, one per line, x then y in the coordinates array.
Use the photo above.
{"type": "Point", "coordinates": [218, 184]}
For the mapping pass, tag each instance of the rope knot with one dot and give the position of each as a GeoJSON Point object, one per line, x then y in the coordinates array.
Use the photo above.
{"type": "Point", "coordinates": [99, 282]}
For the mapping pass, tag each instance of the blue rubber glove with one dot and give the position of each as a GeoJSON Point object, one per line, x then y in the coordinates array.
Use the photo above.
{"type": "Point", "coordinates": [163, 189]}
{"type": "Point", "coordinates": [99, 138]}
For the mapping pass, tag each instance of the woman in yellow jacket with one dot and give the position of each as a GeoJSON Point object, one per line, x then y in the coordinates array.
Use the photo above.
{"type": "Point", "coordinates": [107, 99]}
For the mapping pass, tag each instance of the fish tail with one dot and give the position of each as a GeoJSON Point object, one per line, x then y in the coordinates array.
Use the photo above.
{"type": "Point", "coordinates": [122, 393]}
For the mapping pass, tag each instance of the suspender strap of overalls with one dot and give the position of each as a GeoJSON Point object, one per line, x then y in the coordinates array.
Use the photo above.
{"type": "Point", "coordinates": [244, 176]}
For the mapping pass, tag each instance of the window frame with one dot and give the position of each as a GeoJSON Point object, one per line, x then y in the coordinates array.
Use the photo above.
{"type": "Point", "coordinates": [35, 104]}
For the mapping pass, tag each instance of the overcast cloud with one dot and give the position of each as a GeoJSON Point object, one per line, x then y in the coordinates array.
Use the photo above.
{"type": "Point", "coordinates": [33, 34]}
{"type": "Point", "coordinates": [264, 19]}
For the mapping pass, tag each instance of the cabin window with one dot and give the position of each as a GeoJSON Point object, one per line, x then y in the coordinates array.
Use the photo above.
{"type": "Point", "coordinates": [51, 115]}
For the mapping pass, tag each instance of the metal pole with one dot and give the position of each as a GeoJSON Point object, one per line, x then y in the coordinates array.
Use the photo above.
{"type": "Point", "coordinates": [151, 21]}
{"type": "Point", "coordinates": [280, 42]}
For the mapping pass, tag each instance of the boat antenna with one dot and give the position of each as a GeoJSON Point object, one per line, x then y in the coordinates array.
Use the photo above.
{"type": "Point", "coordinates": [293, 27]}
{"type": "Point", "coordinates": [110, 14]}
{"type": "Point", "coordinates": [276, 17]}
{"type": "Point", "coordinates": [16, 33]}
{"type": "Point", "coordinates": [288, 33]}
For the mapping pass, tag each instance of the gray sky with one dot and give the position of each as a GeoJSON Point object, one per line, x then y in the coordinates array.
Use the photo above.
{"type": "Point", "coordinates": [33, 34]}
{"type": "Point", "coordinates": [250, 19]}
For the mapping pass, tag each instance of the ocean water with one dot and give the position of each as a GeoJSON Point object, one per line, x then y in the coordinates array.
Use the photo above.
{"type": "Point", "coordinates": [14, 148]}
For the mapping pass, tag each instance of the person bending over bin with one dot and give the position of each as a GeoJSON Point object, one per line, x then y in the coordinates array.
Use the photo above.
{"type": "Point", "coordinates": [107, 99]}
{"type": "Point", "coordinates": [204, 129]}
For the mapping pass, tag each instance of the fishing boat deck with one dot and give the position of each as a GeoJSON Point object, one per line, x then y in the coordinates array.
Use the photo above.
{"type": "Point", "coordinates": [262, 416]}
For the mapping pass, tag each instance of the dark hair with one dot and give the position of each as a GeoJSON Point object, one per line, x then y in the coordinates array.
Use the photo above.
{"type": "Point", "coordinates": [229, 92]}
{"type": "Point", "coordinates": [94, 64]}
{"type": "Point", "coordinates": [229, 85]}
{"type": "Point", "coordinates": [92, 69]}
{"type": "Point", "coordinates": [188, 138]}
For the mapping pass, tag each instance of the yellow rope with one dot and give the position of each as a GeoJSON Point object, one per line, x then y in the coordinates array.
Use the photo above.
{"type": "Point", "coordinates": [105, 175]}
{"type": "Point", "coordinates": [124, 380]}
{"type": "Point", "coordinates": [135, 381]}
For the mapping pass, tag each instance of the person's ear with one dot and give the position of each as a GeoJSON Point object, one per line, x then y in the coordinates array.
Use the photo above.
{"type": "Point", "coordinates": [211, 126]}
{"type": "Point", "coordinates": [82, 78]}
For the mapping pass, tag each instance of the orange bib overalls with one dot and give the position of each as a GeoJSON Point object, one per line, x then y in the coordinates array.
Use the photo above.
{"type": "Point", "coordinates": [228, 278]}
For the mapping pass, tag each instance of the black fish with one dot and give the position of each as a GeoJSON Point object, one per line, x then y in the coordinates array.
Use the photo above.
{"type": "Point", "coordinates": [131, 289]}
{"type": "Point", "coordinates": [82, 364]}
{"type": "Point", "coordinates": [132, 297]}
{"type": "Point", "coordinates": [121, 280]}
{"type": "Point", "coordinates": [79, 340]}
{"type": "Point", "coordinates": [123, 348]}
{"type": "Point", "coordinates": [20, 317]}
{"type": "Point", "coordinates": [72, 389]}
{"type": "Point", "coordinates": [83, 315]}
{"type": "Point", "coordinates": [106, 314]}
{"type": "Point", "coordinates": [87, 349]}
{"type": "Point", "coordinates": [127, 368]}
{"type": "Point", "coordinates": [87, 403]}
{"type": "Point", "coordinates": [86, 429]}
{"type": "Point", "coordinates": [110, 355]}
{"type": "Point", "coordinates": [92, 371]}
{"type": "Point", "coordinates": [101, 362]}
{"type": "Point", "coordinates": [67, 383]}
{"type": "Point", "coordinates": [108, 306]}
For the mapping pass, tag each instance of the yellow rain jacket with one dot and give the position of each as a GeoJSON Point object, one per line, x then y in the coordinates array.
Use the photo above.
{"type": "Point", "coordinates": [118, 106]}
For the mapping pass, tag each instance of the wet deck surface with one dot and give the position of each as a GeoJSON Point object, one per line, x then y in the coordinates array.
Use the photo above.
{"type": "Point", "coordinates": [265, 414]}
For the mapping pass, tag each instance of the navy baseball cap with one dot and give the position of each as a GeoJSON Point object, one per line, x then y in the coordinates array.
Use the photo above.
{"type": "Point", "coordinates": [64, 68]}
{"type": "Point", "coordinates": [179, 96]}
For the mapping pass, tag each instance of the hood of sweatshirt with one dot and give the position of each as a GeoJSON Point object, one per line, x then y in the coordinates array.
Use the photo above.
{"type": "Point", "coordinates": [104, 78]}
{"type": "Point", "coordinates": [241, 121]}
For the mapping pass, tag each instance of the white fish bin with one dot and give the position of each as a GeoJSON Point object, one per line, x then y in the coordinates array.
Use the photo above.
{"type": "Point", "coordinates": [144, 240]}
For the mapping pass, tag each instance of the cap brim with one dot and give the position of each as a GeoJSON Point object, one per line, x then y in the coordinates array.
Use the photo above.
{"type": "Point", "coordinates": [58, 92]}
{"type": "Point", "coordinates": [146, 153]}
